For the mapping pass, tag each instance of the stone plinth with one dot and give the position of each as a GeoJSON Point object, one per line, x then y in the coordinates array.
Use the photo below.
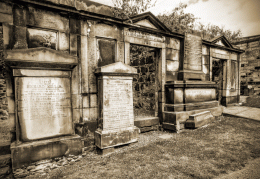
{"type": "Point", "coordinates": [185, 98]}
{"type": "Point", "coordinates": [115, 101]}
{"type": "Point", "coordinates": [176, 120]}
{"type": "Point", "coordinates": [29, 152]}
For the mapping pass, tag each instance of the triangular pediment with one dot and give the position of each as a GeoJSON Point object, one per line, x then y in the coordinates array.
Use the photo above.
{"type": "Point", "coordinates": [117, 67]}
{"type": "Point", "coordinates": [40, 55]}
{"type": "Point", "coordinates": [222, 41]}
{"type": "Point", "coordinates": [146, 23]}
{"type": "Point", "coordinates": [148, 20]}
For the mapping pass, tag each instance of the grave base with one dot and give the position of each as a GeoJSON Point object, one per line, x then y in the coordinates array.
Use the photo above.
{"type": "Point", "coordinates": [105, 140]}
{"type": "Point", "coordinates": [28, 152]}
{"type": "Point", "coordinates": [175, 120]}
{"type": "Point", "coordinates": [147, 124]}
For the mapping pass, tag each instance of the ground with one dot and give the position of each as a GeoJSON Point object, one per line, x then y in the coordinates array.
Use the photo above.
{"type": "Point", "coordinates": [215, 150]}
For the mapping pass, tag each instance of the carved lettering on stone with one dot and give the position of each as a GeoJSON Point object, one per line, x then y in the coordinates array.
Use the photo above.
{"type": "Point", "coordinates": [118, 104]}
{"type": "Point", "coordinates": [44, 107]}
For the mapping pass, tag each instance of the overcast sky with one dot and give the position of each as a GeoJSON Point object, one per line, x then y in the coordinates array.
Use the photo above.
{"type": "Point", "coordinates": [232, 14]}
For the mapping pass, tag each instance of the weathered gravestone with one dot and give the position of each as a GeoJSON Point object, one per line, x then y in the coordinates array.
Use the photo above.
{"type": "Point", "coordinates": [44, 127]}
{"type": "Point", "coordinates": [115, 101]}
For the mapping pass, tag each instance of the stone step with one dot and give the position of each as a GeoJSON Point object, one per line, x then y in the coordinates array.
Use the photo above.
{"type": "Point", "coordinates": [199, 119]}
{"type": "Point", "coordinates": [178, 118]}
{"type": "Point", "coordinates": [145, 122]}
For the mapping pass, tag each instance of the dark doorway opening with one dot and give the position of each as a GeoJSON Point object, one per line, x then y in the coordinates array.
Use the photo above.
{"type": "Point", "coordinates": [144, 84]}
{"type": "Point", "coordinates": [217, 76]}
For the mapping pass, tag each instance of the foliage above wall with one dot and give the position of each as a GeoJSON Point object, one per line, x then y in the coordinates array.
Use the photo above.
{"type": "Point", "coordinates": [177, 20]}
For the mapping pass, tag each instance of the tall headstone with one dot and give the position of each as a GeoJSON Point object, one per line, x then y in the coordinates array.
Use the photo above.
{"type": "Point", "coordinates": [115, 101]}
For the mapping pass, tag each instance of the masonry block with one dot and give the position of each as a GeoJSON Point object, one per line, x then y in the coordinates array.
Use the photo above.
{"type": "Point", "coordinates": [105, 140]}
{"type": "Point", "coordinates": [29, 152]}
{"type": "Point", "coordinates": [199, 119]}
{"type": "Point", "coordinates": [146, 122]}
{"type": "Point", "coordinates": [20, 41]}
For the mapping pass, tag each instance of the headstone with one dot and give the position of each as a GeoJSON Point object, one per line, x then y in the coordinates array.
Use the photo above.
{"type": "Point", "coordinates": [44, 106]}
{"type": "Point", "coordinates": [115, 101]}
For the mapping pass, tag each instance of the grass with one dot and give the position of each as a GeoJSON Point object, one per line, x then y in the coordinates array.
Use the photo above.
{"type": "Point", "coordinates": [222, 147]}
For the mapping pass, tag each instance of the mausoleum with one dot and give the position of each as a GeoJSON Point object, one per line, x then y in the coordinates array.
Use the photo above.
{"type": "Point", "coordinates": [68, 67]}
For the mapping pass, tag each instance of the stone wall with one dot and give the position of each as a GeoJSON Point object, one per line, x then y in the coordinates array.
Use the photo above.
{"type": "Point", "coordinates": [250, 65]}
{"type": "Point", "coordinates": [28, 26]}
{"type": "Point", "coordinates": [5, 121]}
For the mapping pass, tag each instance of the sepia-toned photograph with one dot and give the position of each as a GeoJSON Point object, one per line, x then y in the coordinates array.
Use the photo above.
{"type": "Point", "coordinates": [130, 89]}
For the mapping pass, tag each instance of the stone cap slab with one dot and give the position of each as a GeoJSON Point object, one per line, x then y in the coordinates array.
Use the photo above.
{"type": "Point", "coordinates": [40, 55]}
{"type": "Point", "coordinates": [116, 68]}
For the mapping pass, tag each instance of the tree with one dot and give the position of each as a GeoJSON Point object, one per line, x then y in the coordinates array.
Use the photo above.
{"type": "Point", "coordinates": [126, 8]}
{"type": "Point", "coordinates": [210, 31]}
{"type": "Point", "coordinates": [179, 21]}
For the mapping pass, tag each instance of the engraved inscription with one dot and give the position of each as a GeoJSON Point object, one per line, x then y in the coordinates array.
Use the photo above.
{"type": "Point", "coordinates": [118, 104]}
{"type": "Point", "coordinates": [44, 107]}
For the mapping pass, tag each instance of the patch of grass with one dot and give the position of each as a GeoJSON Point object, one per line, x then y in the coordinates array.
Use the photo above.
{"type": "Point", "coordinates": [224, 146]}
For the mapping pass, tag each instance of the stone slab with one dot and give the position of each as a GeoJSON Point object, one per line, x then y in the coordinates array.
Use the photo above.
{"type": "Point", "coordinates": [203, 105]}
{"type": "Point", "coordinates": [191, 106]}
{"type": "Point", "coordinates": [117, 104]}
{"type": "Point", "coordinates": [175, 117]}
{"type": "Point", "coordinates": [199, 119]}
{"type": "Point", "coordinates": [146, 122]}
{"type": "Point", "coordinates": [40, 55]}
{"type": "Point", "coordinates": [172, 127]}
{"type": "Point", "coordinates": [199, 95]}
{"type": "Point", "coordinates": [29, 152]}
{"type": "Point", "coordinates": [174, 107]}
{"type": "Point", "coordinates": [149, 128]}
{"type": "Point", "coordinates": [44, 107]}
{"type": "Point", "coordinates": [105, 140]}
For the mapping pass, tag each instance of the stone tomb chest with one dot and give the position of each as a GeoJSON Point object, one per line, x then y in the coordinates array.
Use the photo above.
{"type": "Point", "coordinates": [115, 100]}
{"type": "Point", "coordinates": [44, 103]}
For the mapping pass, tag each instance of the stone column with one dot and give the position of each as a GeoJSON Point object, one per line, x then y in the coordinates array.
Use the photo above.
{"type": "Point", "coordinates": [127, 53]}
{"type": "Point", "coordinates": [161, 80]}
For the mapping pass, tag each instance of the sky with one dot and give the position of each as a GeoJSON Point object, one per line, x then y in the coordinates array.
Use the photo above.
{"type": "Point", "coordinates": [232, 14]}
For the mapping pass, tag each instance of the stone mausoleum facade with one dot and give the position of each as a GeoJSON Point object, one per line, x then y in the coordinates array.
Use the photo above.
{"type": "Point", "coordinates": [57, 54]}
{"type": "Point", "coordinates": [250, 65]}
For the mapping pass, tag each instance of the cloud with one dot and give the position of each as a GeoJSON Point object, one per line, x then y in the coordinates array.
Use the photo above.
{"type": "Point", "coordinates": [196, 1]}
